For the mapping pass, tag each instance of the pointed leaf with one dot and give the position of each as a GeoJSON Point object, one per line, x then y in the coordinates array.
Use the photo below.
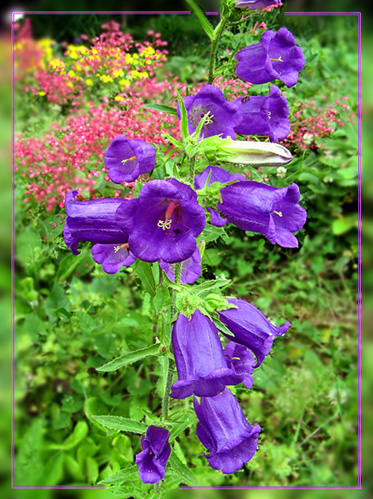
{"type": "Point", "coordinates": [208, 29]}
{"type": "Point", "coordinates": [161, 108]}
{"type": "Point", "coordinates": [121, 424]}
{"type": "Point", "coordinates": [129, 358]}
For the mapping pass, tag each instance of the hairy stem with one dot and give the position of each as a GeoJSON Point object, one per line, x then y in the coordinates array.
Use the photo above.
{"type": "Point", "coordinates": [214, 46]}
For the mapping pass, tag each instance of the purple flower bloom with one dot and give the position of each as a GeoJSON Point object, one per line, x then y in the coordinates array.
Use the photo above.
{"type": "Point", "coordinates": [275, 57]}
{"type": "Point", "coordinates": [271, 211]}
{"type": "Point", "coordinates": [199, 357]}
{"type": "Point", "coordinates": [190, 269]}
{"type": "Point", "coordinates": [217, 175]}
{"type": "Point", "coordinates": [112, 256]}
{"type": "Point", "coordinates": [166, 222]}
{"type": "Point", "coordinates": [153, 458]}
{"type": "Point", "coordinates": [255, 4]}
{"type": "Point", "coordinates": [265, 115]}
{"type": "Point", "coordinates": [95, 221]}
{"type": "Point", "coordinates": [127, 159]}
{"type": "Point", "coordinates": [241, 360]}
{"type": "Point", "coordinates": [251, 328]}
{"type": "Point", "coordinates": [223, 115]}
{"type": "Point", "coordinates": [225, 432]}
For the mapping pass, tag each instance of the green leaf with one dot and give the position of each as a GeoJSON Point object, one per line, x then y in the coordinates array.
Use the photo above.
{"type": "Point", "coordinates": [121, 476]}
{"type": "Point", "coordinates": [344, 224]}
{"type": "Point", "coordinates": [186, 475]}
{"type": "Point", "coordinates": [68, 265]}
{"type": "Point", "coordinates": [145, 274]}
{"type": "Point", "coordinates": [121, 424]}
{"type": "Point", "coordinates": [161, 298]}
{"type": "Point", "coordinates": [56, 299]}
{"type": "Point", "coordinates": [206, 287]}
{"type": "Point", "coordinates": [92, 470]}
{"type": "Point", "coordinates": [184, 117]}
{"type": "Point", "coordinates": [161, 108]}
{"type": "Point", "coordinates": [208, 29]}
{"type": "Point", "coordinates": [79, 433]}
{"type": "Point", "coordinates": [211, 233]}
{"type": "Point", "coordinates": [129, 358]}
{"type": "Point", "coordinates": [177, 428]}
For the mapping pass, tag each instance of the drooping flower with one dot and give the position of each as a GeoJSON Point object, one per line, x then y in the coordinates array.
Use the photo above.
{"type": "Point", "coordinates": [166, 222]}
{"type": "Point", "coordinates": [95, 221]}
{"type": "Point", "coordinates": [112, 256]}
{"type": "Point", "coordinates": [217, 175]}
{"type": "Point", "coordinates": [265, 115]}
{"type": "Point", "coordinates": [127, 159]}
{"type": "Point", "coordinates": [251, 328]}
{"type": "Point", "coordinates": [271, 211]}
{"type": "Point", "coordinates": [201, 365]}
{"type": "Point", "coordinates": [225, 432]}
{"type": "Point", "coordinates": [223, 115]}
{"type": "Point", "coordinates": [241, 360]}
{"type": "Point", "coordinates": [190, 268]}
{"type": "Point", "coordinates": [153, 458]}
{"type": "Point", "coordinates": [276, 57]}
{"type": "Point", "coordinates": [255, 4]}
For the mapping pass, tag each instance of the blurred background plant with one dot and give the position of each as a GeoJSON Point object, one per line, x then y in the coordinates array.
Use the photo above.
{"type": "Point", "coordinates": [71, 317]}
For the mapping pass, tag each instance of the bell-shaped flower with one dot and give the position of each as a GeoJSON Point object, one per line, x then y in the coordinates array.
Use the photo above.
{"type": "Point", "coordinates": [255, 4]}
{"type": "Point", "coordinates": [155, 452]}
{"type": "Point", "coordinates": [222, 176]}
{"type": "Point", "coordinates": [166, 222]}
{"type": "Point", "coordinates": [271, 211]}
{"type": "Point", "coordinates": [126, 159]}
{"type": "Point", "coordinates": [201, 365]}
{"type": "Point", "coordinates": [225, 432]}
{"type": "Point", "coordinates": [276, 57]}
{"type": "Point", "coordinates": [190, 268]}
{"type": "Point", "coordinates": [95, 221]}
{"type": "Point", "coordinates": [241, 360]}
{"type": "Point", "coordinates": [223, 115]}
{"type": "Point", "coordinates": [112, 256]}
{"type": "Point", "coordinates": [265, 115]}
{"type": "Point", "coordinates": [251, 328]}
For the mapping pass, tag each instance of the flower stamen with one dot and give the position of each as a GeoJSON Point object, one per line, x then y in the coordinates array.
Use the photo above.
{"type": "Point", "coordinates": [117, 248]}
{"type": "Point", "coordinates": [132, 158]}
{"type": "Point", "coordinates": [278, 59]}
{"type": "Point", "coordinates": [279, 213]}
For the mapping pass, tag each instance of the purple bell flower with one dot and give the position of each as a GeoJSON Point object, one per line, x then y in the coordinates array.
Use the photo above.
{"type": "Point", "coordinates": [200, 361]}
{"type": "Point", "coordinates": [112, 256]}
{"type": "Point", "coordinates": [225, 432]}
{"type": "Point", "coordinates": [223, 115]}
{"type": "Point", "coordinates": [95, 221]}
{"type": "Point", "coordinates": [166, 222]}
{"type": "Point", "coordinates": [265, 115]}
{"type": "Point", "coordinates": [127, 159]}
{"type": "Point", "coordinates": [241, 360]}
{"type": "Point", "coordinates": [217, 175]}
{"type": "Point", "coordinates": [153, 458]}
{"type": "Point", "coordinates": [251, 328]}
{"type": "Point", "coordinates": [255, 4]}
{"type": "Point", "coordinates": [275, 57]}
{"type": "Point", "coordinates": [190, 268]}
{"type": "Point", "coordinates": [268, 210]}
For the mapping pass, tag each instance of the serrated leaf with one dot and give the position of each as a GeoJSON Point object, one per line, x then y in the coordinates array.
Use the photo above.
{"type": "Point", "coordinates": [121, 424]}
{"type": "Point", "coordinates": [207, 28]}
{"type": "Point", "coordinates": [211, 233]}
{"type": "Point", "coordinates": [144, 272]}
{"type": "Point", "coordinates": [206, 287]}
{"type": "Point", "coordinates": [185, 474]}
{"type": "Point", "coordinates": [68, 265]}
{"type": "Point", "coordinates": [222, 327]}
{"type": "Point", "coordinates": [121, 476]}
{"type": "Point", "coordinates": [160, 107]}
{"type": "Point", "coordinates": [129, 358]}
{"type": "Point", "coordinates": [178, 428]}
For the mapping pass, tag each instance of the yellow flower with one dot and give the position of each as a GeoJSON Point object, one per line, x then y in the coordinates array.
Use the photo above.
{"type": "Point", "coordinates": [124, 82]}
{"type": "Point", "coordinates": [89, 82]}
{"type": "Point", "coordinates": [41, 93]}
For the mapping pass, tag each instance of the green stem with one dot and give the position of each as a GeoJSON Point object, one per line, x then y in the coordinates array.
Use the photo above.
{"type": "Point", "coordinates": [191, 173]}
{"type": "Point", "coordinates": [169, 376]}
{"type": "Point", "coordinates": [214, 46]}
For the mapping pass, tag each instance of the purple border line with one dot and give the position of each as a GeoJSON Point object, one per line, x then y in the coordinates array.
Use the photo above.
{"type": "Point", "coordinates": [12, 260]}
{"type": "Point", "coordinates": [135, 12]}
{"type": "Point", "coordinates": [78, 487]}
